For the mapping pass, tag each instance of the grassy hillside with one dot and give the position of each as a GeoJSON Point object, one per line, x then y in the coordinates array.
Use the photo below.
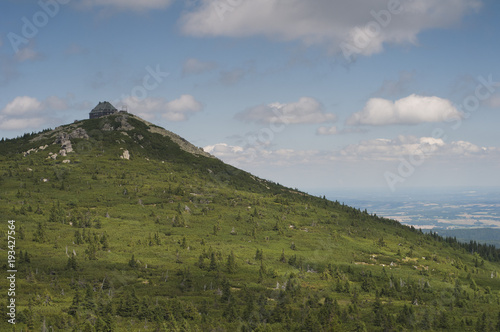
{"type": "Point", "coordinates": [173, 240]}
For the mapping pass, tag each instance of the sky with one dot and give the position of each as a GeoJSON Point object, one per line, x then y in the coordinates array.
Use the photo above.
{"type": "Point", "coordinates": [313, 94]}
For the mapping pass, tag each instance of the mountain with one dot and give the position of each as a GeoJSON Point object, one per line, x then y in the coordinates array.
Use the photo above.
{"type": "Point", "coordinates": [121, 225]}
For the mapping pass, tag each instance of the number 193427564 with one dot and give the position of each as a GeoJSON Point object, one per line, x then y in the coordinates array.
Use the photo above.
{"type": "Point", "coordinates": [11, 245]}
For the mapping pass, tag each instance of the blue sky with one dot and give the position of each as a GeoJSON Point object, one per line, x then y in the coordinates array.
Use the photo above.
{"type": "Point", "coordinates": [313, 94]}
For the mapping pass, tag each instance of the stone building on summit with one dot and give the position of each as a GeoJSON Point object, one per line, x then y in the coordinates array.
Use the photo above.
{"type": "Point", "coordinates": [102, 109]}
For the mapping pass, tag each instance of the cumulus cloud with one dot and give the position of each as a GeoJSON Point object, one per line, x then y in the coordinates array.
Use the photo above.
{"type": "Point", "coordinates": [305, 110]}
{"type": "Point", "coordinates": [127, 4]}
{"type": "Point", "coordinates": [366, 25]}
{"type": "Point", "coordinates": [223, 149]}
{"type": "Point", "coordinates": [327, 131]}
{"type": "Point", "coordinates": [22, 105]}
{"type": "Point", "coordinates": [179, 109]}
{"type": "Point", "coordinates": [195, 66]}
{"type": "Point", "coordinates": [26, 112]}
{"type": "Point", "coordinates": [413, 109]}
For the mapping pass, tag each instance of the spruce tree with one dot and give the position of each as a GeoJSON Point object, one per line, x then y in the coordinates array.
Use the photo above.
{"type": "Point", "coordinates": [231, 263]}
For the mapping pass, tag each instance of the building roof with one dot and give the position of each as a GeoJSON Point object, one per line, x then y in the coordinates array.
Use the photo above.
{"type": "Point", "coordinates": [104, 106]}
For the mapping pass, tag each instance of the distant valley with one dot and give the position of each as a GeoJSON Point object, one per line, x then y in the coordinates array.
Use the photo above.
{"type": "Point", "coordinates": [465, 213]}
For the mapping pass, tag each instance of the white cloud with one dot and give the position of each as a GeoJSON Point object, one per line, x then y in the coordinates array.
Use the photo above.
{"type": "Point", "coordinates": [195, 66]}
{"type": "Point", "coordinates": [413, 109]}
{"type": "Point", "coordinates": [128, 4]}
{"type": "Point", "coordinates": [232, 154]}
{"type": "Point", "coordinates": [25, 112]}
{"type": "Point", "coordinates": [259, 155]}
{"type": "Point", "coordinates": [179, 109]}
{"type": "Point", "coordinates": [327, 131]}
{"type": "Point", "coordinates": [223, 149]}
{"type": "Point", "coordinates": [423, 147]}
{"type": "Point", "coordinates": [325, 22]}
{"type": "Point", "coordinates": [306, 110]}
{"type": "Point", "coordinates": [375, 150]}
{"type": "Point", "coordinates": [22, 106]}
{"type": "Point", "coordinates": [175, 110]}
{"type": "Point", "coordinates": [390, 149]}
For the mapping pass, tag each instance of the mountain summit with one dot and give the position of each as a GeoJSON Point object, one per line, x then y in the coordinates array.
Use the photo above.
{"type": "Point", "coordinates": [101, 127]}
{"type": "Point", "coordinates": [121, 225]}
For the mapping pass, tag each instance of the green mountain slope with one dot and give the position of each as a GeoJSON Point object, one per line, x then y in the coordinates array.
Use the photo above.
{"type": "Point", "coordinates": [123, 226]}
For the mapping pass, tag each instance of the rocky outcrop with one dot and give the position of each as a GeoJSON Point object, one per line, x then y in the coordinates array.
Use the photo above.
{"type": "Point", "coordinates": [79, 133]}
{"type": "Point", "coordinates": [124, 125]}
{"type": "Point", "coordinates": [64, 139]}
{"type": "Point", "coordinates": [125, 155]}
{"type": "Point", "coordinates": [30, 151]}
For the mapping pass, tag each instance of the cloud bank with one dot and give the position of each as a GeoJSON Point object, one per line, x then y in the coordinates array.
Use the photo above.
{"type": "Point", "coordinates": [326, 22]}
{"type": "Point", "coordinates": [375, 150]}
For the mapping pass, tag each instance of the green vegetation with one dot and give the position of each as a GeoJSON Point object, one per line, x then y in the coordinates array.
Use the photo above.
{"type": "Point", "coordinates": [174, 241]}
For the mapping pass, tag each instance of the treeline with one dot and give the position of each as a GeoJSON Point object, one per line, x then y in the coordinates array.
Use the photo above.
{"type": "Point", "coordinates": [486, 251]}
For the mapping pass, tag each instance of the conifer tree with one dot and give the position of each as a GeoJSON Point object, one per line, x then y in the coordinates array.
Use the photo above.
{"type": "Point", "coordinates": [213, 262]}
{"type": "Point", "coordinates": [231, 263]}
{"type": "Point", "coordinates": [132, 262]}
